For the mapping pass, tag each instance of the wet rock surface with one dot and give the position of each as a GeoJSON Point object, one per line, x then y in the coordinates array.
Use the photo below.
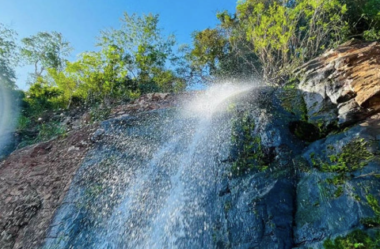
{"type": "Point", "coordinates": [329, 202]}
{"type": "Point", "coordinates": [281, 168]}
{"type": "Point", "coordinates": [149, 102]}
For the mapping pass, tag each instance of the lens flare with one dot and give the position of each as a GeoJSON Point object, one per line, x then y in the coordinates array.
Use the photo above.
{"type": "Point", "coordinates": [8, 118]}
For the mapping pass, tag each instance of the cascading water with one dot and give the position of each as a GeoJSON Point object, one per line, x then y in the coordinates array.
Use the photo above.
{"type": "Point", "coordinates": [151, 182]}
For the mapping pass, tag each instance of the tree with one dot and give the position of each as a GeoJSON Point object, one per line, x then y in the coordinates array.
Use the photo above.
{"type": "Point", "coordinates": [363, 17]}
{"type": "Point", "coordinates": [210, 47]}
{"type": "Point", "coordinates": [45, 50]}
{"type": "Point", "coordinates": [147, 52]}
{"type": "Point", "coordinates": [95, 77]}
{"type": "Point", "coordinates": [267, 39]}
{"type": "Point", "coordinates": [223, 52]}
{"type": "Point", "coordinates": [8, 57]}
{"type": "Point", "coordinates": [65, 83]}
{"type": "Point", "coordinates": [285, 34]}
{"type": "Point", "coordinates": [42, 97]}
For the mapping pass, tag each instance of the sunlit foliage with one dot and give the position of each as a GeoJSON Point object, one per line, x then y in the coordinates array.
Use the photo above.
{"type": "Point", "coordinates": [45, 50]}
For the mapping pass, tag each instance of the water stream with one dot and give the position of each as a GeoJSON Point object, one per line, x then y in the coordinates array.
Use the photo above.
{"type": "Point", "coordinates": [151, 182]}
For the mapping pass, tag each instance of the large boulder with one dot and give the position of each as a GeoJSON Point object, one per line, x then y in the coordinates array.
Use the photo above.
{"type": "Point", "coordinates": [334, 190]}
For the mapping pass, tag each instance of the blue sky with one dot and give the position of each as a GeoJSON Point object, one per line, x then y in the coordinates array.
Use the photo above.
{"type": "Point", "coordinates": [80, 21]}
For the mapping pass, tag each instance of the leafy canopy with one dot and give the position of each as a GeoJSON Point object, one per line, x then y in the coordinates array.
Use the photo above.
{"type": "Point", "coordinates": [8, 57]}
{"type": "Point", "coordinates": [285, 34]}
{"type": "Point", "coordinates": [45, 50]}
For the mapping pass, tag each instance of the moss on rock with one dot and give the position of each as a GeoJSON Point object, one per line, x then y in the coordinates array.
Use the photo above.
{"type": "Point", "coordinates": [372, 221]}
{"type": "Point", "coordinates": [354, 156]}
{"type": "Point", "coordinates": [293, 102]}
{"type": "Point", "coordinates": [249, 149]}
{"type": "Point", "coordinates": [355, 239]}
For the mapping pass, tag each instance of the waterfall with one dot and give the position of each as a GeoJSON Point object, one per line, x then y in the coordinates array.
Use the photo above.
{"type": "Point", "coordinates": [151, 181]}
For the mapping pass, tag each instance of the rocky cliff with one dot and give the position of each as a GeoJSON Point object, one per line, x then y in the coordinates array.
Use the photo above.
{"type": "Point", "coordinates": [290, 167]}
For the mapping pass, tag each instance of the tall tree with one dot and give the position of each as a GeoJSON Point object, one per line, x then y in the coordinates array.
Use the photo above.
{"type": "Point", "coordinates": [147, 51]}
{"type": "Point", "coordinates": [8, 56]}
{"type": "Point", "coordinates": [45, 50]}
{"type": "Point", "coordinates": [268, 38]}
{"type": "Point", "coordinates": [285, 34]}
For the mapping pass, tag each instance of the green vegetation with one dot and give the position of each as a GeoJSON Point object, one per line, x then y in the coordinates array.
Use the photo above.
{"type": "Point", "coordinates": [354, 156]}
{"type": "Point", "coordinates": [363, 18]}
{"type": "Point", "coordinates": [374, 204]}
{"type": "Point", "coordinates": [355, 239]}
{"type": "Point", "coordinates": [293, 102]}
{"type": "Point", "coordinates": [99, 114]}
{"type": "Point", "coordinates": [8, 56]}
{"type": "Point", "coordinates": [270, 38]}
{"type": "Point", "coordinates": [248, 148]}
{"type": "Point", "coordinates": [45, 131]}
{"type": "Point", "coordinates": [132, 60]}
{"type": "Point", "coordinates": [45, 51]}
{"type": "Point", "coordinates": [338, 192]}
{"type": "Point", "coordinates": [373, 221]}
{"type": "Point", "coordinates": [263, 39]}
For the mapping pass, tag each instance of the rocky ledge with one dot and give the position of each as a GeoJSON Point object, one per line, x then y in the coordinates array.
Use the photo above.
{"type": "Point", "coordinates": [342, 85]}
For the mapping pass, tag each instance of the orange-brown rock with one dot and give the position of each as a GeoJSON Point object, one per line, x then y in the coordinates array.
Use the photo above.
{"type": "Point", "coordinates": [349, 76]}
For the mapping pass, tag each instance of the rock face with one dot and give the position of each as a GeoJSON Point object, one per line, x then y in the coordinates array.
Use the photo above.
{"type": "Point", "coordinates": [149, 102]}
{"type": "Point", "coordinates": [342, 83]}
{"type": "Point", "coordinates": [333, 201]}
{"type": "Point", "coordinates": [34, 181]}
{"type": "Point", "coordinates": [291, 167]}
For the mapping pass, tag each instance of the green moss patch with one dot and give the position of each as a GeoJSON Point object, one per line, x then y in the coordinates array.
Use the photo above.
{"type": "Point", "coordinates": [372, 221]}
{"type": "Point", "coordinates": [354, 156]}
{"type": "Point", "coordinates": [356, 239]}
{"type": "Point", "coordinates": [293, 102]}
{"type": "Point", "coordinates": [250, 153]}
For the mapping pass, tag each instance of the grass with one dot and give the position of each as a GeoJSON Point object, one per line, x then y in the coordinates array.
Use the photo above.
{"type": "Point", "coordinates": [99, 114]}
{"type": "Point", "coordinates": [23, 122]}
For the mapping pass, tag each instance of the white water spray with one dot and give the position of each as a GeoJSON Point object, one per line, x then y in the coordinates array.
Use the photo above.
{"type": "Point", "coordinates": [167, 202]}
